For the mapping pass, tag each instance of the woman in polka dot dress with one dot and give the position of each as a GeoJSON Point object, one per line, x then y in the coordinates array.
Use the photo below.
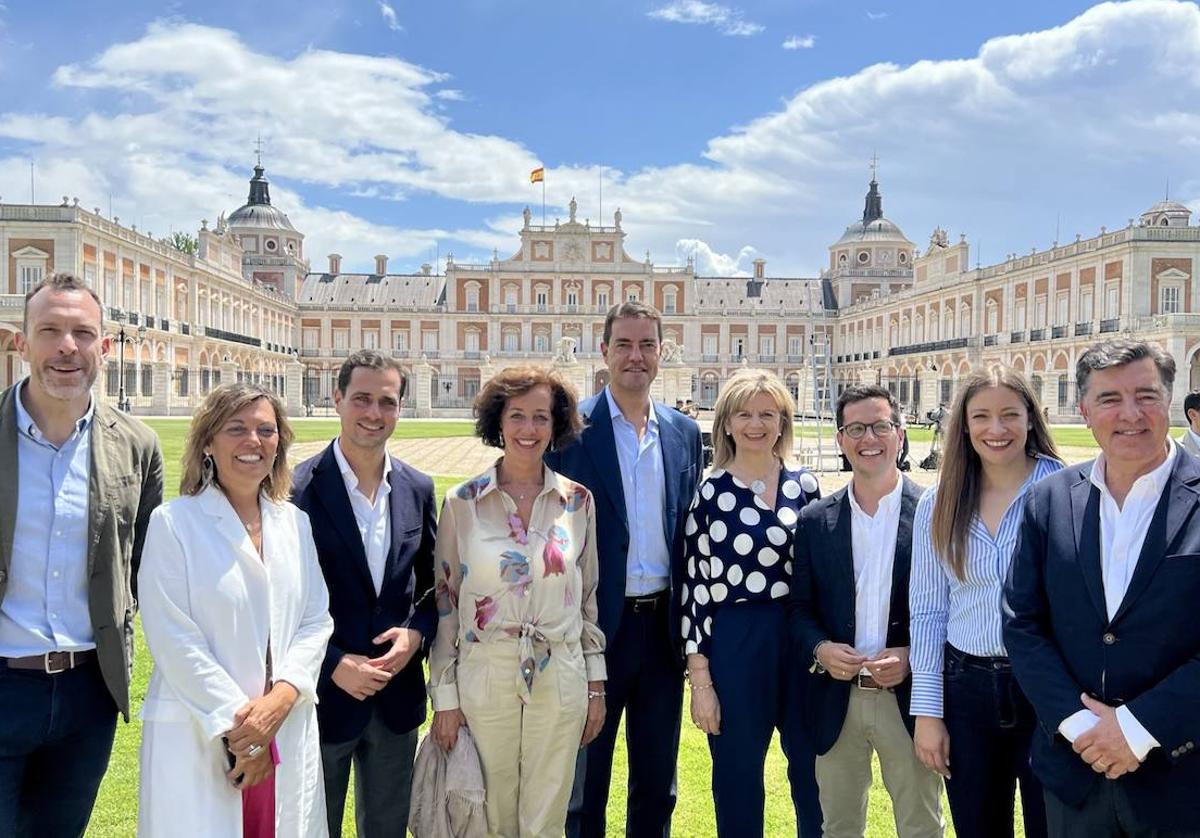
{"type": "Point", "coordinates": [738, 570]}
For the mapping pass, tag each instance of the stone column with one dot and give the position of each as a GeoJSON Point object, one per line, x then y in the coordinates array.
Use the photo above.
{"type": "Point", "coordinates": [1183, 378]}
{"type": "Point", "coordinates": [293, 387]}
{"type": "Point", "coordinates": [160, 398]}
{"type": "Point", "coordinates": [930, 387]}
{"type": "Point", "coordinates": [422, 380]}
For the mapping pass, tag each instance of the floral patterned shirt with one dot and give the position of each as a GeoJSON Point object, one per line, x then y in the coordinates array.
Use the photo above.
{"type": "Point", "coordinates": [738, 549]}
{"type": "Point", "coordinates": [497, 582]}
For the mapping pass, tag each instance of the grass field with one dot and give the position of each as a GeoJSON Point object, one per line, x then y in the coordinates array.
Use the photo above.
{"type": "Point", "coordinates": [115, 815]}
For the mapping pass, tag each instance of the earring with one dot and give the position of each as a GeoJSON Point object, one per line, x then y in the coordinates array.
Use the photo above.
{"type": "Point", "coordinates": [207, 469]}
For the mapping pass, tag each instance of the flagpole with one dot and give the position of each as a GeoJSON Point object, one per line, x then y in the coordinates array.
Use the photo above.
{"type": "Point", "coordinates": [543, 199]}
{"type": "Point", "coordinates": [601, 196]}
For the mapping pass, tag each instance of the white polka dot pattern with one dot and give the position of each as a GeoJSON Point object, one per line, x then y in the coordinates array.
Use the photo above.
{"type": "Point", "coordinates": [738, 548]}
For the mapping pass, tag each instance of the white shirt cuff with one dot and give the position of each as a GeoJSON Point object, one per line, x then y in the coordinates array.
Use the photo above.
{"type": "Point", "coordinates": [1139, 739]}
{"type": "Point", "coordinates": [1077, 724]}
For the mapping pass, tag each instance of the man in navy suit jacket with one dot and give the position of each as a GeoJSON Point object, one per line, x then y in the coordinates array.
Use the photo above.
{"type": "Point", "coordinates": [642, 462]}
{"type": "Point", "coordinates": [852, 552]}
{"type": "Point", "coordinates": [374, 522]}
{"type": "Point", "coordinates": [1100, 611]}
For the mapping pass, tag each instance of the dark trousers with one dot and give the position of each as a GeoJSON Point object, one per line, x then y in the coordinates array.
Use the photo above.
{"type": "Point", "coordinates": [645, 682]}
{"type": "Point", "coordinates": [383, 767]}
{"type": "Point", "coordinates": [56, 734]}
{"type": "Point", "coordinates": [991, 724]}
{"type": "Point", "coordinates": [1105, 813]}
{"type": "Point", "coordinates": [752, 674]}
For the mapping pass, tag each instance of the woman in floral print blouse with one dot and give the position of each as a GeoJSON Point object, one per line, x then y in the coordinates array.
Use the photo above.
{"type": "Point", "coordinates": [518, 657]}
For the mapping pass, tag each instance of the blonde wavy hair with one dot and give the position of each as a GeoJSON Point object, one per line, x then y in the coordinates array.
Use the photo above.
{"type": "Point", "coordinates": [741, 387]}
{"type": "Point", "coordinates": [220, 404]}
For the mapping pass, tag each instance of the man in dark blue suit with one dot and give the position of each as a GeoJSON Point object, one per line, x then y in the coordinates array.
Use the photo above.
{"type": "Point", "coordinates": [849, 619]}
{"type": "Point", "coordinates": [374, 522]}
{"type": "Point", "coordinates": [1100, 611]}
{"type": "Point", "coordinates": [642, 462]}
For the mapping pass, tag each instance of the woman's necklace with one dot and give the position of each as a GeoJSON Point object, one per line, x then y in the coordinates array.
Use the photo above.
{"type": "Point", "coordinates": [759, 485]}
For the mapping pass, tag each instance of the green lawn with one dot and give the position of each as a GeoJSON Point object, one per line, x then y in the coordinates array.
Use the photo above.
{"type": "Point", "coordinates": [1064, 435]}
{"type": "Point", "coordinates": [116, 809]}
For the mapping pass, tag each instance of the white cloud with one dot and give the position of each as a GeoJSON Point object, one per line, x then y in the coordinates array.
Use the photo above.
{"type": "Point", "coordinates": [710, 263]}
{"type": "Point", "coordinates": [876, 15]}
{"type": "Point", "coordinates": [726, 20]}
{"type": "Point", "coordinates": [1087, 119]}
{"type": "Point", "coordinates": [450, 95]}
{"type": "Point", "coordinates": [800, 42]}
{"type": "Point", "coordinates": [389, 16]}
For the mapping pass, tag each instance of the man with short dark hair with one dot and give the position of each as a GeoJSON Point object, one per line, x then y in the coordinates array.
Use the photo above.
{"type": "Point", "coordinates": [374, 522]}
{"type": "Point", "coordinates": [850, 626]}
{"type": "Point", "coordinates": [642, 462]}
{"type": "Point", "coordinates": [1190, 439]}
{"type": "Point", "coordinates": [81, 482]}
{"type": "Point", "coordinates": [1100, 611]}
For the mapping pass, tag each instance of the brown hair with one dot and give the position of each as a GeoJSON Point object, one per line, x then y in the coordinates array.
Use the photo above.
{"type": "Point", "coordinates": [61, 283]}
{"type": "Point", "coordinates": [371, 359]}
{"type": "Point", "coordinates": [742, 386]}
{"type": "Point", "coordinates": [631, 308]}
{"type": "Point", "coordinates": [958, 491]}
{"type": "Point", "coordinates": [517, 381]}
{"type": "Point", "coordinates": [218, 406]}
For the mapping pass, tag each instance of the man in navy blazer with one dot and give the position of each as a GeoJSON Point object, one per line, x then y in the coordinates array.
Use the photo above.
{"type": "Point", "coordinates": [642, 462]}
{"type": "Point", "coordinates": [374, 522]}
{"type": "Point", "coordinates": [1100, 611]}
{"type": "Point", "coordinates": [856, 696]}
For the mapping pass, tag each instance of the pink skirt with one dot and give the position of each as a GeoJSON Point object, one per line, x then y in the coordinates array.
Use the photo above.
{"type": "Point", "coordinates": [258, 805]}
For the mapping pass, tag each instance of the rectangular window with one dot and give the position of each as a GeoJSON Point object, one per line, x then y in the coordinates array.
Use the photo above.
{"type": "Point", "coordinates": [429, 341]}
{"type": "Point", "coordinates": [766, 346]}
{"type": "Point", "coordinates": [602, 300]}
{"type": "Point", "coordinates": [472, 342]}
{"type": "Point", "coordinates": [512, 342]}
{"type": "Point", "coordinates": [31, 275]}
{"type": "Point", "coordinates": [1062, 310]}
{"type": "Point", "coordinates": [1039, 313]}
{"type": "Point", "coordinates": [400, 340]}
{"type": "Point", "coordinates": [311, 338]}
{"type": "Point", "coordinates": [795, 345]}
{"type": "Point", "coordinates": [572, 298]}
{"type": "Point", "coordinates": [1085, 306]}
{"type": "Point", "coordinates": [739, 347]}
{"type": "Point", "coordinates": [1112, 301]}
{"type": "Point", "coordinates": [371, 339]}
{"type": "Point", "coordinates": [1170, 300]}
{"type": "Point", "coordinates": [993, 319]}
{"type": "Point", "coordinates": [341, 338]}
{"type": "Point", "coordinates": [1019, 315]}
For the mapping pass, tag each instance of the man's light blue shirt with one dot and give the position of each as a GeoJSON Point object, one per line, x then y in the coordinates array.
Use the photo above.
{"type": "Point", "coordinates": [46, 606]}
{"type": "Point", "coordinates": [648, 564]}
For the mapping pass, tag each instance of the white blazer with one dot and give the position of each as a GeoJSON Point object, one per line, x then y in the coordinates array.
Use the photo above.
{"type": "Point", "coordinates": [208, 605]}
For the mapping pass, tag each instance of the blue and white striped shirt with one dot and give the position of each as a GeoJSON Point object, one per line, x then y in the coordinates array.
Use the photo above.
{"type": "Point", "coordinates": [964, 612]}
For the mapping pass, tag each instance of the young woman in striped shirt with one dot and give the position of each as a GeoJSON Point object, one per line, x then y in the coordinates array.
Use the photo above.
{"type": "Point", "coordinates": [973, 723]}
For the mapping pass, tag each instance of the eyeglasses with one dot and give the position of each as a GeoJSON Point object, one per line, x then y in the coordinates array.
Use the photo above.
{"type": "Point", "coordinates": [857, 430]}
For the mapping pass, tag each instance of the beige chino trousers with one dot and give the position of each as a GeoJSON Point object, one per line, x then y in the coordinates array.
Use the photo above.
{"type": "Point", "coordinates": [527, 751]}
{"type": "Point", "coordinates": [873, 723]}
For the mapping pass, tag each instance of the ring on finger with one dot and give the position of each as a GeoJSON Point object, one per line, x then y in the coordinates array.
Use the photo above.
{"type": "Point", "coordinates": [254, 750]}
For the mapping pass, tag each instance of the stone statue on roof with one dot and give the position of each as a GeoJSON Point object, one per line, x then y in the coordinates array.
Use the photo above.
{"type": "Point", "coordinates": [573, 207]}
{"type": "Point", "coordinates": [617, 218]}
{"type": "Point", "coordinates": [527, 215]}
{"type": "Point", "coordinates": [939, 238]}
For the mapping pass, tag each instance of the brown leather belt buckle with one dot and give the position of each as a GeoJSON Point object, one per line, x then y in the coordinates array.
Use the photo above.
{"type": "Point", "coordinates": [56, 662]}
{"type": "Point", "coordinates": [52, 663]}
{"type": "Point", "coordinates": [650, 602]}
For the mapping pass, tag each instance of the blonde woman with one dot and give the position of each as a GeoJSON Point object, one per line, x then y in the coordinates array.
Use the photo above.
{"type": "Point", "coordinates": [973, 723]}
{"type": "Point", "coordinates": [737, 578]}
{"type": "Point", "coordinates": [235, 613]}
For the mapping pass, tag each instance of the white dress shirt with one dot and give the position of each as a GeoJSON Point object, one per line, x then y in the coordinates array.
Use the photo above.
{"type": "Point", "coordinates": [374, 519]}
{"type": "Point", "coordinates": [873, 542]}
{"type": "Point", "coordinates": [1123, 531]}
{"type": "Point", "coordinates": [643, 481]}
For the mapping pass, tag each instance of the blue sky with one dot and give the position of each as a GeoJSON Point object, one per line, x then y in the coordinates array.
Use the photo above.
{"type": "Point", "coordinates": [726, 131]}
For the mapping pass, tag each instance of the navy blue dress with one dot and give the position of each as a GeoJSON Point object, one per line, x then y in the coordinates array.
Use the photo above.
{"type": "Point", "coordinates": [737, 578]}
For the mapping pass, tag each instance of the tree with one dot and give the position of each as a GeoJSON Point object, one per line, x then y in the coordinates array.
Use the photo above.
{"type": "Point", "coordinates": [183, 242]}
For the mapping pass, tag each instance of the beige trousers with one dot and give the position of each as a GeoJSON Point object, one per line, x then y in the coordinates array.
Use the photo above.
{"type": "Point", "coordinates": [873, 723]}
{"type": "Point", "coordinates": [527, 751]}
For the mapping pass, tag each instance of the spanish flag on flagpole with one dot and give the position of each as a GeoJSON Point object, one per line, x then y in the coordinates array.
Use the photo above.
{"type": "Point", "coordinates": [538, 175]}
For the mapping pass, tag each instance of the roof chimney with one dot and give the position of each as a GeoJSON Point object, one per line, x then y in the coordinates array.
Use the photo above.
{"type": "Point", "coordinates": [381, 265]}
{"type": "Point", "coordinates": [759, 268]}
{"type": "Point", "coordinates": [335, 263]}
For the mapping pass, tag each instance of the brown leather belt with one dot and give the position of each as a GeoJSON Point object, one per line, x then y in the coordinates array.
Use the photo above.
{"type": "Point", "coordinates": [52, 663]}
{"type": "Point", "coordinates": [867, 682]}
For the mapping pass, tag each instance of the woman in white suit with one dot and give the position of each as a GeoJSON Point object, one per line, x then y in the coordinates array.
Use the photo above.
{"type": "Point", "coordinates": [235, 613]}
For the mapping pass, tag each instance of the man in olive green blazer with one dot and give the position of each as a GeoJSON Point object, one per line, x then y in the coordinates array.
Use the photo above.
{"type": "Point", "coordinates": [78, 481]}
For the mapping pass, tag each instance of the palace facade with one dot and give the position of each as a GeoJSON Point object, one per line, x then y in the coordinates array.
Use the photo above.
{"type": "Point", "coordinates": [247, 304]}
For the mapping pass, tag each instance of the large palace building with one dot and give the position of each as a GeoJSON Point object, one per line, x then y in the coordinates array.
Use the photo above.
{"type": "Point", "coordinates": [247, 304]}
